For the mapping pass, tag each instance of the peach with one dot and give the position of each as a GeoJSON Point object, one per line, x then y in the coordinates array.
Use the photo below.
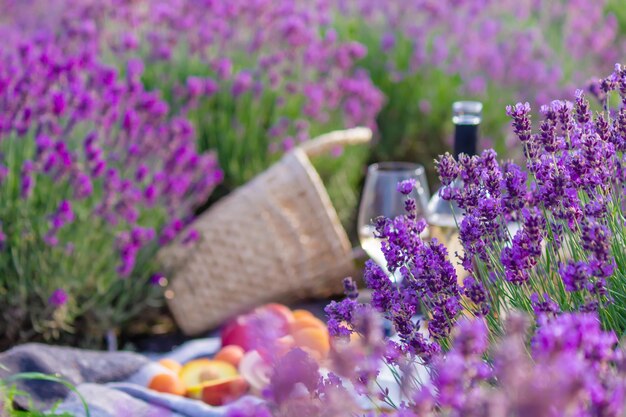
{"type": "Point", "coordinates": [231, 354]}
{"type": "Point", "coordinates": [168, 383]}
{"type": "Point", "coordinates": [199, 371]}
{"type": "Point", "coordinates": [306, 322]}
{"type": "Point", "coordinates": [237, 332]}
{"type": "Point", "coordinates": [219, 391]}
{"type": "Point", "coordinates": [171, 364]}
{"type": "Point", "coordinates": [297, 314]}
{"type": "Point", "coordinates": [279, 309]}
{"type": "Point", "coordinates": [284, 344]}
{"type": "Point", "coordinates": [243, 331]}
{"type": "Point", "coordinates": [313, 340]}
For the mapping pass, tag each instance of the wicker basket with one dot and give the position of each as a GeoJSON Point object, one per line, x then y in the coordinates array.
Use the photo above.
{"type": "Point", "coordinates": [277, 238]}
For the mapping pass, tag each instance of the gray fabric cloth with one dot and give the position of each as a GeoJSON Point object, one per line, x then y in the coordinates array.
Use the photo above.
{"type": "Point", "coordinates": [123, 399]}
{"type": "Point", "coordinates": [104, 401]}
{"type": "Point", "coordinates": [75, 365]}
{"type": "Point", "coordinates": [184, 406]}
{"type": "Point", "coordinates": [105, 381]}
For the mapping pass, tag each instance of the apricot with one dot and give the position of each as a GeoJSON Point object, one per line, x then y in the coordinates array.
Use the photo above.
{"type": "Point", "coordinates": [231, 354]}
{"type": "Point", "coordinates": [171, 364]}
{"type": "Point", "coordinates": [306, 322]}
{"type": "Point", "coordinates": [167, 383]}
{"type": "Point", "coordinates": [314, 340]}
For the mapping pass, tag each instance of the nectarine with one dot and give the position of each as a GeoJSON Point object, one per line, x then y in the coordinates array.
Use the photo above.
{"type": "Point", "coordinates": [284, 344]}
{"type": "Point", "coordinates": [231, 354]}
{"type": "Point", "coordinates": [237, 332]}
{"type": "Point", "coordinates": [168, 383]}
{"type": "Point", "coordinates": [199, 371]}
{"type": "Point", "coordinates": [220, 391]}
{"type": "Point", "coordinates": [314, 340]}
{"type": "Point", "coordinates": [306, 322]}
{"type": "Point", "coordinates": [279, 309]}
{"type": "Point", "coordinates": [297, 314]}
{"type": "Point", "coordinates": [171, 364]}
{"type": "Point", "coordinates": [250, 331]}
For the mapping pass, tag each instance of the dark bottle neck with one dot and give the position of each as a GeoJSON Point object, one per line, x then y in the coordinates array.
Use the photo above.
{"type": "Point", "coordinates": [465, 139]}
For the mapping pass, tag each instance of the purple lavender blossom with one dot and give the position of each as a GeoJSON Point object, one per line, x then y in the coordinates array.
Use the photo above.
{"type": "Point", "coordinates": [596, 238]}
{"type": "Point", "coordinates": [520, 113]}
{"type": "Point", "coordinates": [514, 189]}
{"type": "Point", "coordinates": [477, 294]}
{"type": "Point", "coordinates": [92, 142]}
{"type": "Point", "coordinates": [429, 279]}
{"type": "Point", "coordinates": [295, 368]}
{"type": "Point", "coordinates": [471, 338]}
{"type": "Point", "coordinates": [447, 169]}
{"type": "Point", "coordinates": [565, 197]}
{"type": "Point", "coordinates": [157, 279]}
{"type": "Point", "coordinates": [583, 114]}
{"type": "Point", "coordinates": [27, 180]}
{"type": "Point", "coordinates": [58, 298]}
{"type": "Point", "coordinates": [340, 314]}
{"type": "Point", "coordinates": [242, 83]}
{"type": "Point", "coordinates": [406, 186]}
{"type": "Point", "coordinates": [350, 288]}
{"type": "Point", "coordinates": [574, 332]}
{"type": "Point", "coordinates": [192, 236]}
{"type": "Point", "coordinates": [544, 305]}
{"type": "Point", "coordinates": [576, 275]}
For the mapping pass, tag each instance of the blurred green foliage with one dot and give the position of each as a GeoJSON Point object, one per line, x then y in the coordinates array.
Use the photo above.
{"type": "Point", "coordinates": [618, 9]}
{"type": "Point", "coordinates": [238, 130]}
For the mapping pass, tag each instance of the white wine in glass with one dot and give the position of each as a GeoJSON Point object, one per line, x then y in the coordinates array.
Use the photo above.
{"type": "Point", "coordinates": [372, 245]}
{"type": "Point", "coordinates": [381, 198]}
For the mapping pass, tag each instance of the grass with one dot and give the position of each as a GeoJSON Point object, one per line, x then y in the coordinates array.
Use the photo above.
{"type": "Point", "coordinates": [9, 393]}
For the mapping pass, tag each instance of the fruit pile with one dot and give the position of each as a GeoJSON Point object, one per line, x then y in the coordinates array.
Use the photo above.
{"type": "Point", "coordinates": [250, 344]}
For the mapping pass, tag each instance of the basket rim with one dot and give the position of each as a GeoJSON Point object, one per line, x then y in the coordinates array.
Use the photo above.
{"type": "Point", "coordinates": [302, 157]}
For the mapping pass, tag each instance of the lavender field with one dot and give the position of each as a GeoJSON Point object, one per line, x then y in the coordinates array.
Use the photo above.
{"type": "Point", "coordinates": [124, 122]}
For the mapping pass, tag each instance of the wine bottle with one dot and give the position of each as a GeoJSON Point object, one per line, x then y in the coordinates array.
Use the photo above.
{"type": "Point", "coordinates": [445, 216]}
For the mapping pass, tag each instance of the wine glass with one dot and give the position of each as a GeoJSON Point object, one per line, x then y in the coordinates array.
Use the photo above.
{"type": "Point", "coordinates": [381, 198]}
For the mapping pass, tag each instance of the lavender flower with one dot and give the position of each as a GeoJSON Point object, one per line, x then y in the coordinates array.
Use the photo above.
{"type": "Point", "coordinates": [93, 142]}
{"type": "Point", "coordinates": [447, 169]}
{"type": "Point", "coordinates": [58, 298]}
{"type": "Point", "coordinates": [428, 278]}
{"type": "Point", "coordinates": [477, 294]}
{"type": "Point", "coordinates": [513, 189]}
{"type": "Point", "coordinates": [573, 364]}
{"type": "Point", "coordinates": [583, 114]}
{"type": "Point", "coordinates": [566, 209]}
{"type": "Point", "coordinates": [544, 305]}
{"type": "Point", "coordinates": [520, 113]}
{"type": "Point", "coordinates": [293, 369]}
{"type": "Point", "coordinates": [405, 187]}
{"type": "Point", "coordinates": [576, 275]}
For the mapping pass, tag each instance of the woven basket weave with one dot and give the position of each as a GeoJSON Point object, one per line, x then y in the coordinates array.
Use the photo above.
{"type": "Point", "coordinates": [277, 238]}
